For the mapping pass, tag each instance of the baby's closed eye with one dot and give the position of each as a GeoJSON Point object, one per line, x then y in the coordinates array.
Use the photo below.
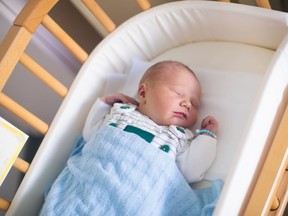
{"type": "Point", "coordinates": [176, 91]}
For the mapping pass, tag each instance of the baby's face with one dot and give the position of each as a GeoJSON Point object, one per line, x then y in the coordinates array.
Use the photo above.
{"type": "Point", "coordinates": [174, 99]}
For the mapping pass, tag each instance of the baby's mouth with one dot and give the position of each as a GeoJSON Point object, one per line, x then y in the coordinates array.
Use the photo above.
{"type": "Point", "coordinates": [180, 115]}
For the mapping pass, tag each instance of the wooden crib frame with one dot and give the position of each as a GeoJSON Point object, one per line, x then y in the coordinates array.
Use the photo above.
{"type": "Point", "coordinates": [270, 194]}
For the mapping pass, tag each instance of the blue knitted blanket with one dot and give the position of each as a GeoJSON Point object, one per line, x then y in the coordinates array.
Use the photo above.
{"type": "Point", "coordinates": [118, 173]}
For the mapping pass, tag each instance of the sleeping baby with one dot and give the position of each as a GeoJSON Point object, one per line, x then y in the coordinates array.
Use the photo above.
{"type": "Point", "coordinates": [125, 162]}
{"type": "Point", "coordinates": [169, 100]}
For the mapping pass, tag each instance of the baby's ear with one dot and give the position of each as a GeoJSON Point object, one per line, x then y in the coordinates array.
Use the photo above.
{"type": "Point", "coordinates": [141, 92]}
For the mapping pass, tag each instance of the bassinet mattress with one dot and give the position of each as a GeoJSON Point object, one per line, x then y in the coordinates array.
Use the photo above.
{"type": "Point", "coordinates": [237, 51]}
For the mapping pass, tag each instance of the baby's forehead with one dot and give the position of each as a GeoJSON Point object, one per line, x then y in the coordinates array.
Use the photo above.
{"type": "Point", "coordinates": [173, 73]}
{"type": "Point", "coordinates": [166, 71]}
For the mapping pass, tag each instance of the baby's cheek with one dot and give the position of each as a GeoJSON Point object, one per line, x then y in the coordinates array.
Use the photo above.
{"type": "Point", "coordinates": [192, 119]}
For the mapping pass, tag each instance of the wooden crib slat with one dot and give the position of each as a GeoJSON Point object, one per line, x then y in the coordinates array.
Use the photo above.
{"type": "Point", "coordinates": [275, 203]}
{"type": "Point", "coordinates": [12, 47]}
{"type": "Point", "coordinates": [33, 13]}
{"type": "Point", "coordinates": [24, 114]}
{"type": "Point", "coordinates": [284, 201]}
{"type": "Point", "coordinates": [272, 172]}
{"type": "Point", "coordinates": [65, 39]}
{"type": "Point", "coordinates": [263, 3]}
{"type": "Point", "coordinates": [144, 4]}
{"type": "Point", "coordinates": [281, 198]}
{"type": "Point", "coordinates": [4, 204]}
{"type": "Point", "coordinates": [99, 13]}
{"type": "Point", "coordinates": [43, 75]}
{"type": "Point", "coordinates": [21, 165]}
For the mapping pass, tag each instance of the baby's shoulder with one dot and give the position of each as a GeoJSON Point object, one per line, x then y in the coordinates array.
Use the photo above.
{"type": "Point", "coordinates": [121, 108]}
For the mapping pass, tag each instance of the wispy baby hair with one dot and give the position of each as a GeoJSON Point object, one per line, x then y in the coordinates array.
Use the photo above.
{"type": "Point", "coordinates": [163, 66]}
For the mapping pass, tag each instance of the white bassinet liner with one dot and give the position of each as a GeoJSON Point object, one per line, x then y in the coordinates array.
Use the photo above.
{"type": "Point", "coordinates": [214, 34]}
{"type": "Point", "coordinates": [227, 93]}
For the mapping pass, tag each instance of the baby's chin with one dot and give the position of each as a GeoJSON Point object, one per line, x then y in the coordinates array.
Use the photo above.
{"type": "Point", "coordinates": [183, 123]}
{"type": "Point", "coordinates": [176, 122]}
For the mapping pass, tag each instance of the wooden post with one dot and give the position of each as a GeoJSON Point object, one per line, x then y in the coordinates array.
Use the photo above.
{"type": "Point", "coordinates": [263, 3]}
{"type": "Point", "coordinates": [99, 13]}
{"type": "Point", "coordinates": [4, 204]}
{"type": "Point", "coordinates": [21, 165]}
{"type": "Point", "coordinates": [65, 39]}
{"type": "Point", "coordinates": [264, 193]}
{"type": "Point", "coordinates": [24, 114]}
{"type": "Point", "coordinates": [12, 48]}
{"type": "Point", "coordinates": [43, 75]}
{"type": "Point", "coordinates": [144, 4]}
{"type": "Point", "coordinates": [33, 13]}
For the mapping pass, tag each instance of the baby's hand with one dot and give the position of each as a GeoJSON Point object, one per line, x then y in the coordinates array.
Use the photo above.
{"type": "Point", "coordinates": [210, 123]}
{"type": "Point", "coordinates": [110, 99]}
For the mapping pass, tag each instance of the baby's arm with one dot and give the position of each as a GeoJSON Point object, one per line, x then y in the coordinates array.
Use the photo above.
{"type": "Point", "coordinates": [100, 109]}
{"type": "Point", "coordinates": [118, 98]}
{"type": "Point", "coordinates": [198, 157]}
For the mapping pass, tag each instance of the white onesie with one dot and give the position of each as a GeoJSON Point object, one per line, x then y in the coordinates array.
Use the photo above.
{"type": "Point", "coordinates": [193, 155]}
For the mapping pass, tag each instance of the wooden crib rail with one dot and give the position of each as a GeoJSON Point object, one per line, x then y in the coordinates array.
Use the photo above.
{"type": "Point", "coordinates": [263, 3]}
{"type": "Point", "coordinates": [260, 3]}
{"type": "Point", "coordinates": [21, 165]}
{"type": "Point", "coordinates": [109, 25]}
{"type": "Point", "coordinates": [4, 204]}
{"type": "Point", "coordinates": [103, 18]}
{"type": "Point", "coordinates": [99, 13]}
{"type": "Point", "coordinates": [144, 4]}
{"type": "Point", "coordinates": [64, 38]}
{"type": "Point", "coordinates": [43, 75]}
{"type": "Point", "coordinates": [23, 113]}
{"type": "Point", "coordinates": [273, 177]}
{"type": "Point", "coordinates": [12, 51]}
{"type": "Point", "coordinates": [33, 13]}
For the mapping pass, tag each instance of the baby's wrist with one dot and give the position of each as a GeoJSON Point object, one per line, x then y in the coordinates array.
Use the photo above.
{"type": "Point", "coordinates": [207, 132]}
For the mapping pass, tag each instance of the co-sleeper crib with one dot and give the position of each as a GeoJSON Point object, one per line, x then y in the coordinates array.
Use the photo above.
{"type": "Point", "coordinates": [240, 55]}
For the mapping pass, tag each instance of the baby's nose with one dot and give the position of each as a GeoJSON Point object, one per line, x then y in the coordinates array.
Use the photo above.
{"type": "Point", "coordinates": [186, 104]}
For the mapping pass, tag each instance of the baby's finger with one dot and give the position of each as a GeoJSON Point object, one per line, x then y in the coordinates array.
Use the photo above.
{"type": "Point", "coordinates": [209, 120]}
{"type": "Point", "coordinates": [129, 100]}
